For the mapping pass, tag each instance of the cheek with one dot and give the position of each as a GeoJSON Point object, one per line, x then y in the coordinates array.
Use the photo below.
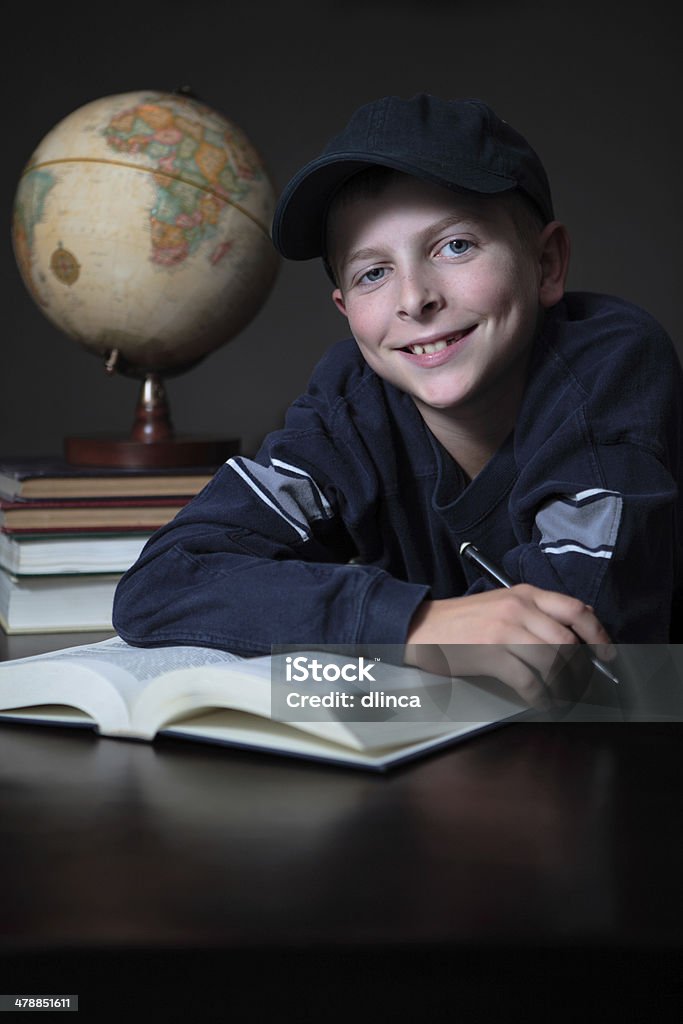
{"type": "Point", "coordinates": [508, 290]}
{"type": "Point", "coordinates": [366, 321]}
{"type": "Point", "coordinates": [484, 286]}
{"type": "Point", "coordinates": [371, 352]}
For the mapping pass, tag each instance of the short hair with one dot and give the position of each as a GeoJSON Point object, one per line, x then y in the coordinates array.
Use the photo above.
{"type": "Point", "coordinates": [374, 180]}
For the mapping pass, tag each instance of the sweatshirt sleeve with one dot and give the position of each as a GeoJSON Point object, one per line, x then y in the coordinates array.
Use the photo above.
{"type": "Point", "coordinates": [614, 545]}
{"type": "Point", "coordinates": [263, 556]}
{"type": "Point", "coordinates": [596, 508]}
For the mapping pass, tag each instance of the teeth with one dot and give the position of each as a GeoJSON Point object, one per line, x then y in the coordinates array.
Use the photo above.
{"type": "Point", "coordinates": [437, 346]}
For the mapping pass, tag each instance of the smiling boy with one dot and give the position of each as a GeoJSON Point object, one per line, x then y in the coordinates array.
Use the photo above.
{"type": "Point", "coordinates": [442, 295]}
{"type": "Point", "coordinates": [475, 402]}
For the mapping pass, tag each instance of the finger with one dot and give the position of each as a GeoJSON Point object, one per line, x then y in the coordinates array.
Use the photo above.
{"type": "Point", "coordinates": [563, 672]}
{"type": "Point", "coordinates": [578, 617]}
{"type": "Point", "coordinates": [520, 665]}
{"type": "Point", "coordinates": [538, 612]}
{"type": "Point", "coordinates": [521, 677]}
{"type": "Point", "coordinates": [489, 658]}
{"type": "Point", "coordinates": [544, 658]}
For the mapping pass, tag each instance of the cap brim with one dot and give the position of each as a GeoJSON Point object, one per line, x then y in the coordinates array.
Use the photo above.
{"type": "Point", "coordinates": [300, 216]}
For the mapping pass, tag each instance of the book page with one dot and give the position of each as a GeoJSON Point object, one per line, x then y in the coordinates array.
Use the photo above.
{"type": "Point", "coordinates": [235, 728]}
{"type": "Point", "coordinates": [102, 679]}
{"type": "Point", "coordinates": [239, 729]}
{"type": "Point", "coordinates": [135, 692]}
{"type": "Point", "coordinates": [79, 686]}
{"type": "Point", "coordinates": [239, 683]}
{"type": "Point", "coordinates": [142, 663]}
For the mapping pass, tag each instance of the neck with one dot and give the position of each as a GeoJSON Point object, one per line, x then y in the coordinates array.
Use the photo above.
{"type": "Point", "coordinates": [472, 436]}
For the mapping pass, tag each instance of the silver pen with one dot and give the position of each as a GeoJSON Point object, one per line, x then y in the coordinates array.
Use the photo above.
{"type": "Point", "coordinates": [468, 550]}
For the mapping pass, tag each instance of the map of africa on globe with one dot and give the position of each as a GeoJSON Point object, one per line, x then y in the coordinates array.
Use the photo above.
{"type": "Point", "coordinates": [141, 229]}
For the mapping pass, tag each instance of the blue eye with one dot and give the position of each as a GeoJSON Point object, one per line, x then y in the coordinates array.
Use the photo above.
{"type": "Point", "coordinates": [456, 247]}
{"type": "Point", "coordinates": [373, 275]}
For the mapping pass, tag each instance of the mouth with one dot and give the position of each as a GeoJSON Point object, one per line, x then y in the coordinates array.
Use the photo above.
{"type": "Point", "coordinates": [431, 348]}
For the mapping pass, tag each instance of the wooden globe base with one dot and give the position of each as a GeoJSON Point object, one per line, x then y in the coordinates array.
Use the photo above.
{"type": "Point", "coordinates": [121, 452]}
{"type": "Point", "coordinates": [152, 443]}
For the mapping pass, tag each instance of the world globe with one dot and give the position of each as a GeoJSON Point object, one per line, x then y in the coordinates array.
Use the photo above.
{"type": "Point", "coordinates": [141, 230]}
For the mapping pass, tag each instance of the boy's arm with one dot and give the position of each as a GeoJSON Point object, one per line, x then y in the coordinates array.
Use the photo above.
{"type": "Point", "coordinates": [261, 557]}
{"type": "Point", "coordinates": [596, 508]}
{"type": "Point", "coordinates": [614, 543]}
{"type": "Point", "coordinates": [600, 559]}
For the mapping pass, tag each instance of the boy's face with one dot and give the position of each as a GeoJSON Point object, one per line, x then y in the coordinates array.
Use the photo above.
{"type": "Point", "coordinates": [441, 293]}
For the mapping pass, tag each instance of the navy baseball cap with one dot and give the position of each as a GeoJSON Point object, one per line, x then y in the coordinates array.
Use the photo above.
{"type": "Point", "coordinates": [460, 144]}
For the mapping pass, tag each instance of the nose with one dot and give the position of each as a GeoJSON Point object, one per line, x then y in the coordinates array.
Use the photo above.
{"type": "Point", "coordinates": [419, 295]}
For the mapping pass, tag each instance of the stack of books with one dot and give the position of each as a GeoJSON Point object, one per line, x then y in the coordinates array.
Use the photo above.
{"type": "Point", "coordinates": [68, 533]}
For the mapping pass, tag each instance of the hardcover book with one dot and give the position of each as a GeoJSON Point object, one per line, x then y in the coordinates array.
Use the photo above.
{"type": "Point", "coordinates": [212, 696]}
{"type": "Point", "coordinates": [105, 515]}
{"type": "Point", "coordinates": [53, 477]}
{"type": "Point", "coordinates": [39, 554]}
{"type": "Point", "coordinates": [55, 604]}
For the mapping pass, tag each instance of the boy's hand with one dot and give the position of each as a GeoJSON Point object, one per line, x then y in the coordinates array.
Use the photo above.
{"type": "Point", "coordinates": [521, 636]}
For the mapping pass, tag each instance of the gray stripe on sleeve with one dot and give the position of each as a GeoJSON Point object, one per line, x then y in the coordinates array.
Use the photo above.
{"type": "Point", "coordinates": [292, 495]}
{"type": "Point", "coordinates": [586, 523]}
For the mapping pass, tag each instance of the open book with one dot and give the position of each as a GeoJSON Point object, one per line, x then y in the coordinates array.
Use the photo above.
{"type": "Point", "coordinates": [197, 693]}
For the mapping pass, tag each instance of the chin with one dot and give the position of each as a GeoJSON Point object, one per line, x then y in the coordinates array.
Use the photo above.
{"type": "Point", "coordinates": [443, 401]}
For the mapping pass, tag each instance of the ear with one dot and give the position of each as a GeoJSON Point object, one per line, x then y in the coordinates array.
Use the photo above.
{"type": "Point", "coordinates": [338, 300]}
{"type": "Point", "coordinates": [554, 250]}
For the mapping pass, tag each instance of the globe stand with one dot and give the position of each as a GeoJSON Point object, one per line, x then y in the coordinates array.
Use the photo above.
{"type": "Point", "coordinates": [152, 443]}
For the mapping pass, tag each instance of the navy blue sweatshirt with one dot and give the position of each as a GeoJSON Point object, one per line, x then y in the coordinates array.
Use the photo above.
{"type": "Point", "coordinates": [353, 513]}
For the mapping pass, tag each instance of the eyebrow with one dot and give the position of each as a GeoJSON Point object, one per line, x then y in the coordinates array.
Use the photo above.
{"type": "Point", "coordinates": [358, 255]}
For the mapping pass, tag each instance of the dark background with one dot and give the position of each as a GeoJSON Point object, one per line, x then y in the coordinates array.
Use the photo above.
{"type": "Point", "coordinates": [594, 86]}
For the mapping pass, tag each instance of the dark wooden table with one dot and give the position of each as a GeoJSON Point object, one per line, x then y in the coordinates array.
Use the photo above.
{"type": "Point", "coordinates": [534, 872]}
